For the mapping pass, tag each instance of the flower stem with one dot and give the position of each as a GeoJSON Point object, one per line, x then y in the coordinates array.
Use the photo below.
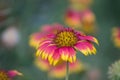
{"type": "Point", "coordinates": [67, 71]}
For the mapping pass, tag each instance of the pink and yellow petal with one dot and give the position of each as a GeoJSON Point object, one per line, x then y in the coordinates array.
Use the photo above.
{"type": "Point", "coordinates": [58, 26]}
{"type": "Point", "coordinates": [50, 50]}
{"type": "Point", "coordinates": [47, 51]}
{"type": "Point", "coordinates": [42, 64]}
{"type": "Point", "coordinates": [58, 71]}
{"type": "Point", "coordinates": [90, 47]}
{"type": "Point", "coordinates": [42, 46]}
{"type": "Point", "coordinates": [55, 57]}
{"type": "Point", "coordinates": [76, 67]}
{"type": "Point", "coordinates": [13, 73]}
{"type": "Point", "coordinates": [86, 48]}
{"type": "Point", "coordinates": [35, 39]}
{"type": "Point", "coordinates": [82, 48]}
{"type": "Point", "coordinates": [46, 28]}
{"type": "Point", "coordinates": [41, 49]}
{"type": "Point", "coordinates": [117, 43]}
{"type": "Point", "coordinates": [68, 54]}
{"type": "Point", "coordinates": [72, 55]}
{"type": "Point", "coordinates": [89, 38]}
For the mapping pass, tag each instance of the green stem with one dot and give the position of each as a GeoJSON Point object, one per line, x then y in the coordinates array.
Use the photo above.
{"type": "Point", "coordinates": [67, 71]}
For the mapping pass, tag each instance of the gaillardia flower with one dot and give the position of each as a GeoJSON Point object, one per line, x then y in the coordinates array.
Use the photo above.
{"type": "Point", "coordinates": [42, 64]}
{"type": "Point", "coordinates": [80, 4]}
{"type": "Point", "coordinates": [8, 75]}
{"type": "Point", "coordinates": [83, 20]}
{"type": "Point", "coordinates": [59, 71]}
{"type": "Point", "coordinates": [89, 23]}
{"type": "Point", "coordinates": [60, 43]}
{"type": "Point", "coordinates": [116, 36]}
{"type": "Point", "coordinates": [73, 18]}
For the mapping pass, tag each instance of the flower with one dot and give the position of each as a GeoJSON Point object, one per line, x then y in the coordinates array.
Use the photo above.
{"type": "Point", "coordinates": [8, 75]}
{"type": "Point", "coordinates": [11, 36]}
{"type": "Point", "coordinates": [88, 22]}
{"type": "Point", "coordinates": [116, 36]}
{"type": "Point", "coordinates": [73, 18]}
{"type": "Point", "coordinates": [60, 43]}
{"type": "Point", "coordinates": [114, 71]}
{"type": "Point", "coordinates": [93, 74]}
{"type": "Point", "coordinates": [80, 4]}
{"type": "Point", "coordinates": [42, 64]}
{"type": "Point", "coordinates": [83, 20]}
{"type": "Point", "coordinates": [58, 71]}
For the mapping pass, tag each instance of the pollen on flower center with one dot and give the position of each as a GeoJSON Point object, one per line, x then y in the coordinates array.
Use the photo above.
{"type": "Point", "coordinates": [3, 76]}
{"type": "Point", "coordinates": [65, 38]}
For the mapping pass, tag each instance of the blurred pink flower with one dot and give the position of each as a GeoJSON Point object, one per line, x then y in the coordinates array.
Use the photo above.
{"type": "Point", "coordinates": [59, 71]}
{"type": "Point", "coordinates": [83, 20]}
{"type": "Point", "coordinates": [9, 75]}
{"type": "Point", "coordinates": [116, 36]}
{"type": "Point", "coordinates": [73, 18]}
{"type": "Point", "coordinates": [80, 5]}
{"type": "Point", "coordinates": [42, 64]}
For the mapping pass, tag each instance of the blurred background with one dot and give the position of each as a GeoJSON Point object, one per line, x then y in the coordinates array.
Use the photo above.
{"type": "Point", "coordinates": [20, 18]}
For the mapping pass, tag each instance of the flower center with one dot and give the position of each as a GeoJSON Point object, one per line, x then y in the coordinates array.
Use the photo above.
{"type": "Point", "coordinates": [65, 38]}
{"type": "Point", "coordinates": [3, 76]}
